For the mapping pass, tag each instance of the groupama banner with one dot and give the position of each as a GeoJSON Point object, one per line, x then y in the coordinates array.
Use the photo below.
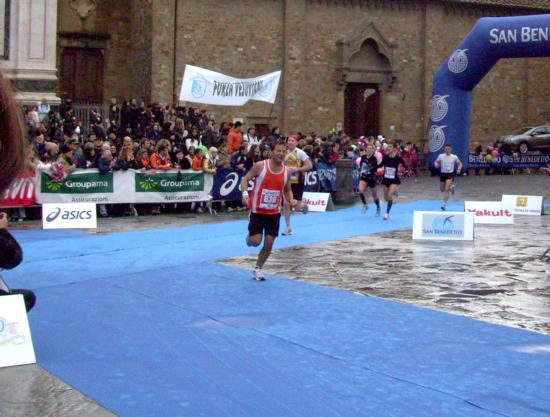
{"type": "Point", "coordinates": [89, 186]}
{"type": "Point", "coordinates": [208, 87]}
{"type": "Point", "coordinates": [490, 40]}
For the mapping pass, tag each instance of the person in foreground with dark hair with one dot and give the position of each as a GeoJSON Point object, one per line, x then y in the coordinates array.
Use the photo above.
{"type": "Point", "coordinates": [12, 162]}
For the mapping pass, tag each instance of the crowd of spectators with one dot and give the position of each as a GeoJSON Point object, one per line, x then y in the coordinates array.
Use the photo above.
{"type": "Point", "coordinates": [160, 137]}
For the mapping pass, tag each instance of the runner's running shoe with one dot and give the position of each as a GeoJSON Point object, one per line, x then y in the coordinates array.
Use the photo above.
{"type": "Point", "coordinates": [305, 207]}
{"type": "Point", "coordinates": [247, 239]}
{"type": "Point", "coordinates": [365, 208]}
{"type": "Point", "coordinates": [377, 212]}
{"type": "Point", "coordinates": [258, 275]}
{"type": "Point", "coordinates": [396, 193]}
{"type": "Point", "coordinates": [386, 216]}
{"type": "Point", "coordinates": [287, 232]}
{"type": "Point", "coordinates": [453, 189]}
{"type": "Point", "coordinates": [443, 207]}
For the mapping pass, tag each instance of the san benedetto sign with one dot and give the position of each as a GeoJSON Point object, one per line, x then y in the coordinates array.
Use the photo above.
{"type": "Point", "coordinates": [443, 225]}
{"type": "Point", "coordinates": [208, 87]}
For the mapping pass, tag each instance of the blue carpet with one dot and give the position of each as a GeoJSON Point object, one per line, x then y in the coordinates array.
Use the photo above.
{"type": "Point", "coordinates": [146, 324]}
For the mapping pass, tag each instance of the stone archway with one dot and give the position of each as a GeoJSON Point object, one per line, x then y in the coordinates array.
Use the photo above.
{"type": "Point", "coordinates": [365, 71]}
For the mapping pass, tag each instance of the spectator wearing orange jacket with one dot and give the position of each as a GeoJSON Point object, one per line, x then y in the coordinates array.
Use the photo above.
{"type": "Point", "coordinates": [235, 138]}
{"type": "Point", "coordinates": [161, 159]}
{"type": "Point", "coordinates": [197, 160]}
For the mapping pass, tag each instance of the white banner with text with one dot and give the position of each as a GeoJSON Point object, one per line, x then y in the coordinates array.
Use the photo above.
{"type": "Point", "coordinates": [318, 201]}
{"type": "Point", "coordinates": [527, 205]}
{"type": "Point", "coordinates": [16, 346]}
{"type": "Point", "coordinates": [437, 225]}
{"type": "Point", "coordinates": [208, 87]}
{"type": "Point", "coordinates": [69, 216]}
{"type": "Point", "coordinates": [490, 212]}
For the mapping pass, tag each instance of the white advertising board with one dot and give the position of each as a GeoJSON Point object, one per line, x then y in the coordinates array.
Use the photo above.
{"type": "Point", "coordinates": [490, 212]}
{"type": "Point", "coordinates": [528, 205]}
{"type": "Point", "coordinates": [443, 225]}
{"type": "Point", "coordinates": [69, 216]}
{"type": "Point", "coordinates": [16, 346]}
{"type": "Point", "coordinates": [318, 201]}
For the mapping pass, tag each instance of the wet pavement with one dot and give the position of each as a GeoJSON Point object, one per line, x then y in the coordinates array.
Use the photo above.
{"type": "Point", "coordinates": [497, 278]}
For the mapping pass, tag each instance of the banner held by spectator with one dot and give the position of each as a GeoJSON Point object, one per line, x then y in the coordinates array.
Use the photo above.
{"type": "Point", "coordinates": [208, 87]}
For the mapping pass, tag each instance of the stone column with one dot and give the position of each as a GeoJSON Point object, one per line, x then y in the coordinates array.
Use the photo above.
{"type": "Point", "coordinates": [344, 182]}
{"type": "Point", "coordinates": [28, 54]}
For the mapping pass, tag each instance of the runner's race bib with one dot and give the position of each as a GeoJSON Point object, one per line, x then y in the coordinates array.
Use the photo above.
{"type": "Point", "coordinates": [269, 199]}
{"type": "Point", "coordinates": [389, 173]}
{"type": "Point", "coordinates": [447, 167]}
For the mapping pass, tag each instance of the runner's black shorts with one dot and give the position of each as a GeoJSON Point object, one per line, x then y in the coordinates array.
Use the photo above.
{"type": "Point", "coordinates": [389, 181]}
{"type": "Point", "coordinates": [446, 176]}
{"type": "Point", "coordinates": [297, 190]}
{"type": "Point", "coordinates": [260, 222]}
{"type": "Point", "coordinates": [371, 181]}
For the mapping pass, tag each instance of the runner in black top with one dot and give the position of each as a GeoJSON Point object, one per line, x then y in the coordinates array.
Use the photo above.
{"type": "Point", "coordinates": [368, 166]}
{"type": "Point", "coordinates": [391, 180]}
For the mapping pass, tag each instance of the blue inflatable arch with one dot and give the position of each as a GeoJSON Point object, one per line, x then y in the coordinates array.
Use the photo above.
{"type": "Point", "coordinates": [489, 40]}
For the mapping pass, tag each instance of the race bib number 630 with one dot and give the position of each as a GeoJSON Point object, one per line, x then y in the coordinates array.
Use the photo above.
{"type": "Point", "coordinates": [269, 199]}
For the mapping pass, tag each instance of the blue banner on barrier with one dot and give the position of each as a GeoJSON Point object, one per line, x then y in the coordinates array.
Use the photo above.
{"type": "Point", "coordinates": [226, 182]}
{"type": "Point", "coordinates": [522, 161]}
{"type": "Point", "coordinates": [327, 176]}
{"type": "Point", "coordinates": [311, 181]}
{"type": "Point", "coordinates": [226, 185]}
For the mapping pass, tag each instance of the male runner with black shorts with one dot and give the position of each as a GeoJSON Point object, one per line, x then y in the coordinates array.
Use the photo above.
{"type": "Point", "coordinates": [446, 164]}
{"type": "Point", "coordinates": [272, 178]}
{"type": "Point", "coordinates": [368, 166]}
{"type": "Point", "coordinates": [391, 180]}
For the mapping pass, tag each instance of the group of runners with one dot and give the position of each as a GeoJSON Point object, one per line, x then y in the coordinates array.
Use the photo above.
{"type": "Point", "coordinates": [278, 181]}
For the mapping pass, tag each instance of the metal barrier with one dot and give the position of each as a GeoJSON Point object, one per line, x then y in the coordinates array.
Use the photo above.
{"type": "Point", "coordinates": [82, 112]}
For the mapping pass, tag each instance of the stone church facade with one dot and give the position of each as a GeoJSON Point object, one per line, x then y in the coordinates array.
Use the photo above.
{"type": "Point", "coordinates": [365, 65]}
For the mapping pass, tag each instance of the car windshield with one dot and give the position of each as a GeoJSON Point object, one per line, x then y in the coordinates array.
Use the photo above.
{"type": "Point", "coordinates": [522, 131]}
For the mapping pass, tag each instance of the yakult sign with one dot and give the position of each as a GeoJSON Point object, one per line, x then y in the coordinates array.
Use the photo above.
{"type": "Point", "coordinates": [318, 201]}
{"type": "Point", "coordinates": [490, 212]}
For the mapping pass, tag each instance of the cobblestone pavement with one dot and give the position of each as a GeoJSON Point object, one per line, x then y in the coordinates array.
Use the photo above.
{"type": "Point", "coordinates": [498, 278]}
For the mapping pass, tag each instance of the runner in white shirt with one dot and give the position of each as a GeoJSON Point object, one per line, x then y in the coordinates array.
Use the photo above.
{"type": "Point", "coordinates": [446, 163]}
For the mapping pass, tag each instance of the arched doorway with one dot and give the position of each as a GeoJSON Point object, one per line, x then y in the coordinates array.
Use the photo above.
{"type": "Point", "coordinates": [366, 72]}
{"type": "Point", "coordinates": [362, 109]}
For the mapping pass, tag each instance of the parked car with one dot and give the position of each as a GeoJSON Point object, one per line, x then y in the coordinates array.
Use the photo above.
{"type": "Point", "coordinates": [528, 139]}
